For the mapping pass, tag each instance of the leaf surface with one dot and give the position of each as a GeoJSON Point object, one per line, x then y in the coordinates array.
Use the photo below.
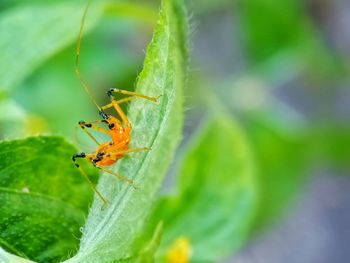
{"type": "Point", "coordinates": [109, 233]}
{"type": "Point", "coordinates": [43, 198]}
{"type": "Point", "coordinates": [281, 163]}
{"type": "Point", "coordinates": [216, 198]}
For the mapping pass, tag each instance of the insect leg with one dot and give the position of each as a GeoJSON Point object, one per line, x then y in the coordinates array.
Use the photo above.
{"type": "Point", "coordinates": [118, 153]}
{"type": "Point", "coordinates": [91, 125]}
{"type": "Point", "coordinates": [115, 103]}
{"type": "Point", "coordinates": [110, 105]}
{"type": "Point", "coordinates": [83, 155]}
{"type": "Point", "coordinates": [131, 93]}
{"type": "Point", "coordinates": [123, 178]}
{"type": "Point", "coordinates": [121, 113]}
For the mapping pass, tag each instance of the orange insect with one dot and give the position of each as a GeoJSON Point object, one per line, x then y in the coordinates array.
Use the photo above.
{"type": "Point", "coordinates": [119, 130]}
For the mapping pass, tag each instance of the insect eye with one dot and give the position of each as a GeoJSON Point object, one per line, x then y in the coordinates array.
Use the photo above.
{"type": "Point", "coordinates": [100, 155]}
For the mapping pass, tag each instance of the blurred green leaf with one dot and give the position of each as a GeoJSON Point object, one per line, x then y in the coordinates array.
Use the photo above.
{"type": "Point", "coordinates": [43, 198]}
{"type": "Point", "coordinates": [136, 11]}
{"type": "Point", "coordinates": [281, 162]}
{"type": "Point", "coordinates": [331, 144]}
{"type": "Point", "coordinates": [216, 198]}
{"type": "Point", "coordinates": [32, 33]}
{"type": "Point", "coordinates": [11, 111]}
{"type": "Point", "coordinates": [109, 233]}
{"type": "Point", "coordinates": [53, 82]}
{"type": "Point", "coordinates": [270, 26]}
{"type": "Point", "coordinates": [12, 118]}
{"type": "Point", "coordinates": [273, 28]}
{"type": "Point", "coordinates": [102, 65]}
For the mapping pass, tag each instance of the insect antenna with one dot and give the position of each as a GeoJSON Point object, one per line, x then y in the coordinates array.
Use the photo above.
{"type": "Point", "coordinates": [77, 57]}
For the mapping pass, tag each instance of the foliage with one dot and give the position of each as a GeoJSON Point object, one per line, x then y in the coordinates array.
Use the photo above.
{"type": "Point", "coordinates": [217, 218]}
{"type": "Point", "coordinates": [234, 175]}
{"type": "Point", "coordinates": [109, 234]}
{"type": "Point", "coordinates": [44, 199]}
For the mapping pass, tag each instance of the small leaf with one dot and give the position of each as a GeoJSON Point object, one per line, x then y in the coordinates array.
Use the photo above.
{"type": "Point", "coordinates": [43, 198]}
{"type": "Point", "coordinates": [217, 194]}
{"type": "Point", "coordinates": [109, 233]}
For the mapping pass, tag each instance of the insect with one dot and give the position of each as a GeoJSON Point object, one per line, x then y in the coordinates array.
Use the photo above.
{"type": "Point", "coordinates": [118, 129]}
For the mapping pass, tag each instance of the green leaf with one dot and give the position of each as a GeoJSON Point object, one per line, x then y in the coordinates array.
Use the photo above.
{"type": "Point", "coordinates": [56, 81]}
{"type": "Point", "coordinates": [10, 111]}
{"type": "Point", "coordinates": [283, 31]}
{"type": "Point", "coordinates": [331, 144]}
{"type": "Point", "coordinates": [30, 34]}
{"type": "Point", "coordinates": [137, 11]}
{"type": "Point", "coordinates": [9, 258]}
{"type": "Point", "coordinates": [270, 26]}
{"type": "Point", "coordinates": [146, 254]}
{"type": "Point", "coordinates": [217, 193]}
{"type": "Point", "coordinates": [109, 233]}
{"type": "Point", "coordinates": [43, 198]}
{"type": "Point", "coordinates": [281, 160]}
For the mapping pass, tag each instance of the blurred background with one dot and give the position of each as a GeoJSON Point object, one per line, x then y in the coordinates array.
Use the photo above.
{"type": "Point", "coordinates": [280, 67]}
